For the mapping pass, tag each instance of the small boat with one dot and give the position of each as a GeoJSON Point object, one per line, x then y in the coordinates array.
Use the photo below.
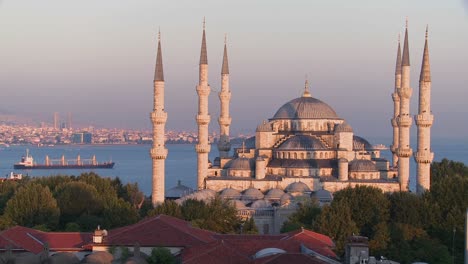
{"type": "Point", "coordinates": [27, 162]}
{"type": "Point", "coordinates": [12, 177]}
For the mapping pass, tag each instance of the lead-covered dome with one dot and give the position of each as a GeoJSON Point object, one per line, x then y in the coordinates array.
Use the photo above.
{"type": "Point", "coordinates": [241, 163]}
{"type": "Point", "coordinates": [360, 143]}
{"type": "Point", "coordinates": [362, 165]}
{"type": "Point", "coordinates": [305, 108]}
{"type": "Point", "coordinates": [302, 142]}
{"type": "Point", "coordinates": [297, 187]}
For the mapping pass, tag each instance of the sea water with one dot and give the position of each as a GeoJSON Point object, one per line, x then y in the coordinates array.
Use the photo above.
{"type": "Point", "coordinates": [133, 162]}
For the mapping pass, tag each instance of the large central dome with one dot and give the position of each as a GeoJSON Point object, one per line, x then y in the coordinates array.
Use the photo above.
{"type": "Point", "coordinates": [305, 108]}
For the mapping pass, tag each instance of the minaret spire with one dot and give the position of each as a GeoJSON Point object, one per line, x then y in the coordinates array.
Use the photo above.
{"type": "Point", "coordinates": [396, 107]}
{"type": "Point", "coordinates": [159, 73]}
{"type": "Point", "coordinates": [158, 151]}
{"type": "Point", "coordinates": [224, 145]}
{"type": "Point", "coordinates": [203, 118]}
{"type": "Point", "coordinates": [404, 120]}
{"type": "Point", "coordinates": [424, 120]}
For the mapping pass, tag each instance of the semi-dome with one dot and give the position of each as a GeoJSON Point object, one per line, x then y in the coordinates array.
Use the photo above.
{"type": "Point", "coordinates": [274, 194]}
{"type": "Point", "coordinates": [238, 204]}
{"type": "Point", "coordinates": [230, 193]}
{"type": "Point", "coordinates": [302, 142]}
{"type": "Point", "coordinates": [241, 163]}
{"type": "Point", "coordinates": [360, 143]}
{"type": "Point", "coordinates": [343, 127]}
{"type": "Point", "coordinates": [252, 194]}
{"type": "Point", "coordinates": [297, 187]}
{"type": "Point", "coordinates": [286, 198]}
{"type": "Point", "coordinates": [305, 108]}
{"type": "Point", "coordinates": [323, 195]}
{"type": "Point", "coordinates": [362, 165]}
{"type": "Point", "coordinates": [261, 204]}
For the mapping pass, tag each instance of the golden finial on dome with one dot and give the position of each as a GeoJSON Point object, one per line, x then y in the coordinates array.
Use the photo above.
{"type": "Point", "coordinates": [306, 88]}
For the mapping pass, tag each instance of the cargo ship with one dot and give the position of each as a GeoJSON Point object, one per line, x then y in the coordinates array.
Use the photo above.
{"type": "Point", "coordinates": [27, 162]}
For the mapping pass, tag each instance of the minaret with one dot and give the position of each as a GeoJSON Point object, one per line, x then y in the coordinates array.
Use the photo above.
{"type": "Point", "coordinates": [158, 118]}
{"type": "Point", "coordinates": [203, 118]}
{"type": "Point", "coordinates": [404, 120]}
{"type": "Point", "coordinates": [396, 107]}
{"type": "Point", "coordinates": [224, 118]}
{"type": "Point", "coordinates": [424, 120]}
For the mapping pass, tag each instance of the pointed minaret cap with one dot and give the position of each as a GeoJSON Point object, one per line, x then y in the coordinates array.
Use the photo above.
{"type": "Point", "coordinates": [405, 58]}
{"type": "Point", "coordinates": [203, 54]}
{"type": "Point", "coordinates": [426, 66]}
{"type": "Point", "coordinates": [306, 89]}
{"type": "Point", "coordinates": [398, 59]}
{"type": "Point", "coordinates": [158, 73]}
{"type": "Point", "coordinates": [225, 68]}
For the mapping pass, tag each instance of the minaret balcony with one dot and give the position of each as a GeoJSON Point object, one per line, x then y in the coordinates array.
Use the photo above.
{"type": "Point", "coordinates": [405, 92]}
{"type": "Point", "coordinates": [395, 97]}
{"type": "Point", "coordinates": [225, 121]}
{"type": "Point", "coordinates": [202, 148]}
{"type": "Point", "coordinates": [424, 120]}
{"type": "Point", "coordinates": [203, 90]}
{"type": "Point", "coordinates": [424, 156]}
{"type": "Point", "coordinates": [404, 121]}
{"type": "Point", "coordinates": [159, 117]}
{"type": "Point", "coordinates": [158, 153]}
{"type": "Point", "coordinates": [224, 95]}
{"type": "Point", "coordinates": [393, 148]}
{"type": "Point", "coordinates": [404, 152]}
{"type": "Point", "coordinates": [394, 122]}
{"type": "Point", "coordinates": [203, 119]}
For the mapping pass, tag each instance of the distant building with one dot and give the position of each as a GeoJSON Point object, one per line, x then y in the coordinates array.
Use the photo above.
{"type": "Point", "coordinates": [82, 138]}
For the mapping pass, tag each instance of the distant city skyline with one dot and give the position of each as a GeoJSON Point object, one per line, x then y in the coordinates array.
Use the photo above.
{"type": "Point", "coordinates": [96, 59]}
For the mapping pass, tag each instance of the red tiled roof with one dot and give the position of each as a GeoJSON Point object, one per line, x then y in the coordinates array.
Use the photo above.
{"type": "Point", "coordinates": [321, 244]}
{"type": "Point", "coordinates": [289, 258]}
{"type": "Point", "coordinates": [32, 240]}
{"type": "Point", "coordinates": [215, 252]}
{"type": "Point", "coordinates": [161, 230]}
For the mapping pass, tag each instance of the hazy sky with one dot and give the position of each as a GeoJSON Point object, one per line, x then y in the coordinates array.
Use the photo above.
{"type": "Point", "coordinates": [96, 59]}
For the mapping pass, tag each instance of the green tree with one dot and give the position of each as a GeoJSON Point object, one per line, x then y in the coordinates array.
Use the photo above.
{"type": "Point", "coordinates": [119, 213]}
{"type": "Point", "coordinates": [76, 199]}
{"type": "Point", "coordinates": [249, 227]}
{"type": "Point", "coordinates": [305, 216]}
{"type": "Point", "coordinates": [169, 207]}
{"type": "Point", "coordinates": [336, 221]}
{"type": "Point", "coordinates": [161, 255]}
{"type": "Point", "coordinates": [33, 205]}
{"type": "Point", "coordinates": [370, 211]}
{"type": "Point", "coordinates": [7, 189]}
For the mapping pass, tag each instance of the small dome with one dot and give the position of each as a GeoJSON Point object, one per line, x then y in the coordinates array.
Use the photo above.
{"type": "Point", "coordinates": [241, 163]}
{"type": "Point", "coordinates": [252, 194]}
{"type": "Point", "coordinates": [136, 260]}
{"type": "Point", "coordinates": [238, 204]}
{"type": "Point", "coordinates": [261, 204]}
{"type": "Point", "coordinates": [230, 193]}
{"type": "Point", "coordinates": [99, 257]}
{"type": "Point", "coordinates": [64, 258]}
{"type": "Point", "coordinates": [268, 252]}
{"type": "Point", "coordinates": [274, 194]}
{"type": "Point", "coordinates": [323, 195]}
{"type": "Point", "coordinates": [343, 127]}
{"type": "Point", "coordinates": [360, 143]}
{"type": "Point", "coordinates": [362, 165]}
{"type": "Point", "coordinates": [297, 187]}
{"type": "Point", "coordinates": [305, 108]}
{"type": "Point", "coordinates": [285, 198]}
{"type": "Point", "coordinates": [302, 142]}
{"type": "Point", "coordinates": [179, 190]}
{"type": "Point", "coordinates": [202, 195]}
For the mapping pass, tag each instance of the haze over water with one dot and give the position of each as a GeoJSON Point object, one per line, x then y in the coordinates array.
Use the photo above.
{"type": "Point", "coordinates": [133, 163]}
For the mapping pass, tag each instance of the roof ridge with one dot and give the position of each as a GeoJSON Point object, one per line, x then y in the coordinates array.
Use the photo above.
{"type": "Point", "coordinates": [133, 226]}
{"type": "Point", "coordinates": [190, 226]}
